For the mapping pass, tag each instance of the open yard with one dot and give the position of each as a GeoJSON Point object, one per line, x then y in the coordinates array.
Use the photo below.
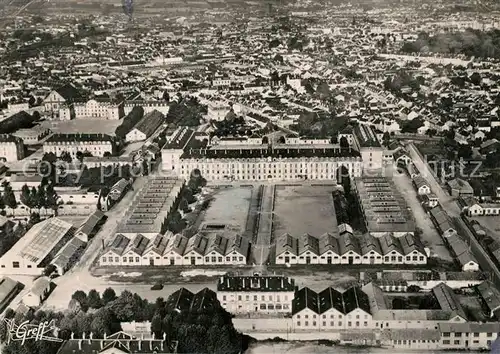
{"type": "Point", "coordinates": [304, 209]}
{"type": "Point", "coordinates": [473, 308]}
{"type": "Point", "coordinates": [140, 279]}
{"type": "Point", "coordinates": [84, 126]}
{"type": "Point", "coordinates": [229, 206]}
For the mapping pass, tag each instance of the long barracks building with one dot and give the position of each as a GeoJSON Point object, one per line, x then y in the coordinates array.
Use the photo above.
{"type": "Point", "coordinates": [185, 151]}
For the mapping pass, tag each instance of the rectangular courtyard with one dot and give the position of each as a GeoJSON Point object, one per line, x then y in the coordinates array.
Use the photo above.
{"type": "Point", "coordinates": [304, 209]}
{"type": "Point", "coordinates": [230, 206]}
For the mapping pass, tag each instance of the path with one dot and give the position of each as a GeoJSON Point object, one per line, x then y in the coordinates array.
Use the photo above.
{"type": "Point", "coordinates": [262, 246]}
{"type": "Point", "coordinates": [79, 276]}
{"type": "Point", "coordinates": [430, 235]}
{"type": "Point", "coordinates": [452, 208]}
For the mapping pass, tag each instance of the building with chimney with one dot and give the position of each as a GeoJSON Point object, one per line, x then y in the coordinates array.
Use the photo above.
{"type": "Point", "coordinates": [256, 294]}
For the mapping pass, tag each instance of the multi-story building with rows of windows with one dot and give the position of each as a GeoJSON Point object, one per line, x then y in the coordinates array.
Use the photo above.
{"type": "Point", "coordinates": [96, 144]}
{"type": "Point", "coordinates": [256, 294]}
{"type": "Point", "coordinates": [253, 162]}
{"type": "Point", "coordinates": [92, 109]}
{"type": "Point", "coordinates": [331, 310]}
{"type": "Point", "coordinates": [11, 148]}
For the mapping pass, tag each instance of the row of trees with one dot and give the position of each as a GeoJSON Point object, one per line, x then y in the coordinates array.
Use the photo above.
{"type": "Point", "coordinates": [8, 198]}
{"type": "Point", "coordinates": [175, 223]}
{"type": "Point", "coordinates": [322, 125]}
{"type": "Point", "coordinates": [211, 326]}
{"type": "Point", "coordinates": [472, 43]}
{"type": "Point", "coordinates": [80, 155]}
{"type": "Point", "coordinates": [187, 112]}
{"type": "Point", "coordinates": [42, 197]}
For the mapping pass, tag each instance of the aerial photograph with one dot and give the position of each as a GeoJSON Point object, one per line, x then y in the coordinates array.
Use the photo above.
{"type": "Point", "coordinates": [249, 176]}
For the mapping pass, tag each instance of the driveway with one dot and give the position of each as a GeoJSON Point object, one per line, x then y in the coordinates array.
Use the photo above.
{"type": "Point", "coordinates": [430, 236]}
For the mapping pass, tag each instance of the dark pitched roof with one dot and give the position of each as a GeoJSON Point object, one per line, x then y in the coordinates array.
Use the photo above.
{"type": "Point", "coordinates": [89, 225]}
{"type": "Point", "coordinates": [180, 300]}
{"type": "Point", "coordinates": [305, 298]}
{"type": "Point", "coordinates": [330, 298]}
{"type": "Point", "coordinates": [7, 138]}
{"type": "Point", "coordinates": [69, 93]}
{"type": "Point", "coordinates": [265, 151]}
{"type": "Point", "coordinates": [355, 298]}
{"type": "Point", "coordinates": [366, 136]}
{"type": "Point", "coordinates": [150, 122]}
{"type": "Point", "coordinates": [204, 299]}
{"type": "Point", "coordinates": [77, 137]}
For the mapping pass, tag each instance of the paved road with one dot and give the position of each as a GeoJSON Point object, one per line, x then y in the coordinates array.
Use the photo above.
{"type": "Point", "coordinates": [262, 246]}
{"type": "Point", "coordinates": [478, 251]}
{"type": "Point", "coordinates": [430, 235]}
{"type": "Point", "coordinates": [453, 210]}
{"type": "Point", "coordinates": [78, 276]}
{"type": "Point", "coordinates": [445, 199]}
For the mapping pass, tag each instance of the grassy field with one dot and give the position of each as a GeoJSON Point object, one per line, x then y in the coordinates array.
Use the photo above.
{"type": "Point", "coordinates": [229, 206]}
{"type": "Point", "coordinates": [304, 209]}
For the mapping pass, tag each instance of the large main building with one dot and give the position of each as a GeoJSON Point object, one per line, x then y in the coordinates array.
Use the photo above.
{"type": "Point", "coordinates": [243, 159]}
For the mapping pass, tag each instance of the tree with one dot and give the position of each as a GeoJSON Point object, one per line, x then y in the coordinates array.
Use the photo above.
{"type": "Point", "coordinates": [183, 205]}
{"type": "Point", "coordinates": [386, 139]}
{"type": "Point", "coordinates": [2, 202]}
{"type": "Point", "coordinates": [94, 299]}
{"type": "Point", "coordinates": [34, 197]}
{"type": "Point", "coordinates": [80, 155]}
{"type": "Point", "coordinates": [104, 322]}
{"type": "Point", "coordinates": [32, 101]}
{"type": "Point", "coordinates": [275, 78]}
{"type": "Point", "coordinates": [26, 196]}
{"type": "Point", "coordinates": [108, 295]}
{"type": "Point", "coordinates": [34, 219]}
{"type": "Point", "coordinates": [66, 157]}
{"type": "Point", "coordinates": [323, 91]}
{"type": "Point", "coordinates": [9, 197]}
{"type": "Point", "coordinates": [344, 143]}
{"type": "Point", "coordinates": [156, 325]}
{"type": "Point", "coordinates": [36, 115]}
{"type": "Point", "coordinates": [431, 132]}
{"type": "Point", "coordinates": [464, 151]}
{"type": "Point", "coordinates": [145, 167]}
{"type": "Point", "coordinates": [81, 297]}
{"type": "Point", "coordinates": [49, 269]}
{"type": "Point", "coordinates": [40, 197]}
{"type": "Point", "coordinates": [306, 120]}
{"type": "Point", "coordinates": [51, 198]}
{"type": "Point", "coordinates": [475, 79]}
{"type": "Point", "coordinates": [166, 96]}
